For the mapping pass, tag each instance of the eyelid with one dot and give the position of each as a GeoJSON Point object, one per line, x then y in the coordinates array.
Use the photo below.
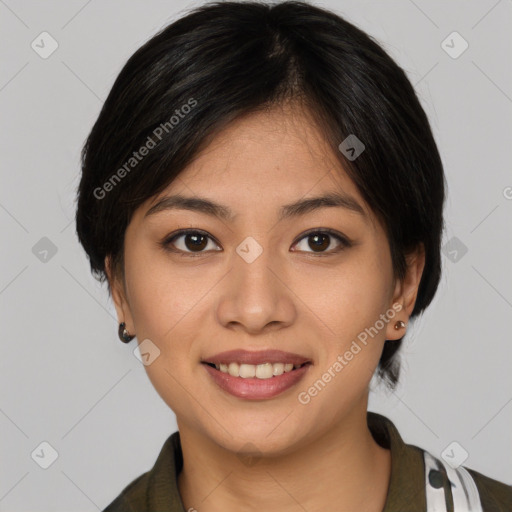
{"type": "Point", "coordinates": [344, 241]}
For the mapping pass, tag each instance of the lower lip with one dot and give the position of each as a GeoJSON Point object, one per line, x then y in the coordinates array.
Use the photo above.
{"type": "Point", "coordinates": [254, 388]}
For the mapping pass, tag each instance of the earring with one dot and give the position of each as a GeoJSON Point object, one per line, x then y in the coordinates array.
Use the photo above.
{"type": "Point", "coordinates": [399, 325]}
{"type": "Point", "coordinates": [124, 335]}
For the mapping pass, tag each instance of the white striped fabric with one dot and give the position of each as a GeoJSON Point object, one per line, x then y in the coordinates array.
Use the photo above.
{"type": "Point", "coordinates": [464, 490]}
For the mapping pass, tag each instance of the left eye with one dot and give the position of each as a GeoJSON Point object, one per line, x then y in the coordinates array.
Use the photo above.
{"type": "Point", "coordinates": [195, 241]}
{"type": "Point", "coordinates": [321, 240]}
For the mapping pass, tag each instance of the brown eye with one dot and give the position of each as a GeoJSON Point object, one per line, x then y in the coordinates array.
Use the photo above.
{"type": "Point", "coordinates": [192, 242]}
{"type": "Point", "coordinates": [195, 241]}
{"type": "Point", "coordinates": [320, 241]}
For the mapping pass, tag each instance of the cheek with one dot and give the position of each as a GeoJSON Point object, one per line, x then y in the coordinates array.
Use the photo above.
{"type": "Point", "coordinates": [160, 295]}
{"type": "Point", "coordinates": [169, 304]}
{"type": "Point", "coordinates": [162, 304]}
{"type": "Point", "coordinates": [358, 295]}
{"type": "Point", "coordinates": [354, 295]}
{"type": "Point", "coordinates": [353, 343]}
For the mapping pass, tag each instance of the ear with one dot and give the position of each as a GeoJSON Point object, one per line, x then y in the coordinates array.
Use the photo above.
{"type": "Point", "coordinates": [119, 295]}
{"type": "Point", "coordinates": [406, 291]}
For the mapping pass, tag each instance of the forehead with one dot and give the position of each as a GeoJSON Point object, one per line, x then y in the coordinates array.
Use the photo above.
{"type": "Point", "coordinates": [263, 161]}
{"type": "Point", "coordinates": [282, 145]}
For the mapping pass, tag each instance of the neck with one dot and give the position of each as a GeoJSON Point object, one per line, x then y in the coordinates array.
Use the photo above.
{"type": "Point", "coordinates": [344, 466]}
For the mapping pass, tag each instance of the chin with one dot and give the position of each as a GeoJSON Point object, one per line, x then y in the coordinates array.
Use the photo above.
{"type": "Point", "coordinates": [269, 437]}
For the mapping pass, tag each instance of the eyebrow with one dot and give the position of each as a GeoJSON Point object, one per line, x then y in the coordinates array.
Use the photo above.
{"type": "Point", "coordinates": [295, 209]}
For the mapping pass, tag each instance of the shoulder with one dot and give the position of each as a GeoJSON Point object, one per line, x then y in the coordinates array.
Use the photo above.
{"type": "Point", "coordinates": [132, 497]}
{"type": "Point", "coordinates": [420, 480]}
{"type": "Point", "coordinates": [156, 489]}
{"type": "Point", "coordinates": [464, 488]}
{"type": "Point", "coordinates": [494, 495]}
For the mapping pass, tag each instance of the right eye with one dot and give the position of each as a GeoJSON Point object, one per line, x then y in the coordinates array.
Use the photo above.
{"type": "Point", "coordinates": [194, 241]}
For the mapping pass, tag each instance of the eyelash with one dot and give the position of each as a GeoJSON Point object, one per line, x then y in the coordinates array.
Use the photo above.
{"type": "Point", "coordinates": [167, 242]}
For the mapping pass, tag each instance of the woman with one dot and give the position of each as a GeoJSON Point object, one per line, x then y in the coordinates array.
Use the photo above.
{"type": "Point", "coordinates": [264, 196]}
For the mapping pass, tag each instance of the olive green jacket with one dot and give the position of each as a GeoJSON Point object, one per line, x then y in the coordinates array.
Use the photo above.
{"type": "Point", "coordinates": [419, 481]}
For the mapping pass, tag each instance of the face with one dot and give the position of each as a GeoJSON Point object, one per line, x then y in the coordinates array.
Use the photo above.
{"type": "Point", "coordinates": [310, 282]}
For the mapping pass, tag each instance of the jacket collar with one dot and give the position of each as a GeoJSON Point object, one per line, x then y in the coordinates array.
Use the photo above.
{"type": "Point", "coordinates": [406, 488]}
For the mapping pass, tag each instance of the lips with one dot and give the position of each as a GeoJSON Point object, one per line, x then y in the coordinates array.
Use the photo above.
{"type": "Point", "coordinates": [256, 358]}
{"type": "Point", "coordinates": [288, 370]}
{"type": "Point", "coordinates": [255, 388]}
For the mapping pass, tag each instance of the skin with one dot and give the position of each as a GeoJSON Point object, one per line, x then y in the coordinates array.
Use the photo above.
{"type": "Point", "coordinates": [292, 297]}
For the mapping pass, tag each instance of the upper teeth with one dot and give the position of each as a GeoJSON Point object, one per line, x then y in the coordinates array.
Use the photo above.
{"type": "Point", "coordinates": [260, 371]}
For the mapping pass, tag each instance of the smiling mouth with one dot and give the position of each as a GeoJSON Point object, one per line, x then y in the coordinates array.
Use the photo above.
{"type": "Point", "coordinates": [259, 371]}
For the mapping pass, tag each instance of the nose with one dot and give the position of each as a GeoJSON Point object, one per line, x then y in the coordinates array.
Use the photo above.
{"type": "Point", "coordinates": [256, 297]}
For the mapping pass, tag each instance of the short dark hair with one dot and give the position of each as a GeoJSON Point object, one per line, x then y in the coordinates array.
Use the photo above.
{"type": "Point", "coordinates": [227, 59]}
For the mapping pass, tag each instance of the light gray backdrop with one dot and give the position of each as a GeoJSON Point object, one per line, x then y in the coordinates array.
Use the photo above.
{"type": "Point", "coordinates": [69, 383]}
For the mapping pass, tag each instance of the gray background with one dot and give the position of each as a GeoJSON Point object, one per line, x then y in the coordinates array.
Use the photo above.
{"type": "Point", "coordinates": [65, 377]}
